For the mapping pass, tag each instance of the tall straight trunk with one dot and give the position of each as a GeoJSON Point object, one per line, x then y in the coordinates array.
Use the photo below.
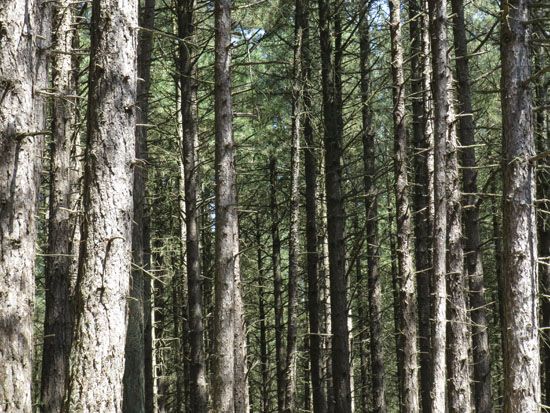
{"type": "Point", "coordinates": [371, 215]}
{"type": "Point", "coordinates": [23, 75]}
{"type": "Point", "coordinates": [264, 357]}
{"type": "Point", "coordinates": [458, 366]}
{"type": "Point", "coordinates": [520, 268]}
{"type": "Point", "coordinates": [311, 229]}
{"type": "Point", "coordinates": [294, 235]}
{"type": "Point", "coordinates": [241, 391]}
{"type": "Point", "coordinates": [136, 348]}
{"type": "Point", "coordinates": [97, 355]}
{"type": "Point", "coordinates": [277, 284]}
{"type": "Point", "coordinates": [333, 130]}
{"type": "Point", "coordinates": [438, 33]}
{"type": "Point", "coordinates": [188, 85]}
{"type": "Point", "coordinates": [542, 136]}
{"type": "Point", "coordinates": [63, 234]}
{"type": "Point", "coordinates": [472, 250]}
{"type": "Point", "coordinates": [421, 197]}
{"type": "Point", "coordinates": [406, 281]}
{"type": "Point", "coordinates": [227, 384]}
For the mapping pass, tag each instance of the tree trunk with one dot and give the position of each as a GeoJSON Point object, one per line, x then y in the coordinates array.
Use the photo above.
{"type": "Point", "coordinates": [23, 75]}
{"type": "Point", "coordinates": [312, 254]}
{"type": "Point", "coordinates": [472, 252]}
{"type": "Point", "coordinates": [407, 291]}
{"type": "Point", "coordinates": [294, 235]}
{"type": "Point", "coordinates": [277, 285]}
{"type": "Point", "coordinates": [333, 129]}
{"type": "Point", "coordinates": [97, 356]}
{"type": "Point", "coordinates": [422, 141]}
{"type": "Point", "coordinates": [264, 359]}
{"type": "Point", "coordinates": [438, 27]}
{"type": "Point", "coordinates": [63, 232]}
{"type": "Point", "coordinates": [371, 215]}
{"type": "Point", "coordinates": [188, 85]}
{"type": "Point", "coordinates": [521, 361]}
{"type": "Point", "coordinates": [134, 369]}
{"type": "Point", "coordinates": [227, 382]}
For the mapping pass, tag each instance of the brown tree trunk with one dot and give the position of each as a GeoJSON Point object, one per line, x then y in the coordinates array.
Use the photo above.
{"type": "Point", "coordinates": [422, 141]}
{"type": "Point", "coordinates": [228, 394]}
{"type": "Point", "coordinates": [472, 252]}
{"type": "Point", "coordinates": [264, 359]}
{"type": "Point", "coordinates": [521, 359]}
{"type": "Point", "coordinates": [438, 27]}
{"type": "Point", "coordinates": [277, 284]}
{"type": "Point", "coordinates": [333, 129]}
{"type": "Point", "coordinates": [134, 369]}
{"type": "Point", "coordinates": [407, 290]}
{"type": "Point", "coordinates": [371, 215]}
{"type": "Point", "coordinates": [23, 76]}
{"type": "Point", "coordinates": [97, 356]}
{"type": "Point", "coordinates": [186, 64]}
{"type": "Point", "coordinates": [63, 232]}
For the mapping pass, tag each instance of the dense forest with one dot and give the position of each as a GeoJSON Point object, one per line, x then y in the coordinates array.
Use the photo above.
{"type": "Point", "coordinates": [326, 206]}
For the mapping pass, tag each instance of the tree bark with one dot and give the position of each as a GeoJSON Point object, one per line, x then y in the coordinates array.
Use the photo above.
{"type": "Point", "coordinates": [521, 359]}
{"type": "Point", "coordinates": [333, 129]}
{"type": "Point", "coordinates": [438, 27]}
{"type": "Point", "coordinates": [277, 284]}
{"type": "Point", "coordinates": [23, 76]}
{"type": "Point", "coordinates": [407, 290]}
{"type": "Point", "coordinates": [264, 358]}
{"type": "Point", "coordinates": [227, 389]}
{"type": "Point", "coordinates": [371, 215]}
{"type": "Point", "coordinates": [188, 85]}
{"type": "Point", "coordinates": [135, 381]}
{"type": "Point", "coordinates": [472, 252]}
{"type": "Point", "coordinates": [64, 197]}
{"type": "Point", "coordinates": [97, 356]}
{"type": "Point", "coordinates": [422, 141]}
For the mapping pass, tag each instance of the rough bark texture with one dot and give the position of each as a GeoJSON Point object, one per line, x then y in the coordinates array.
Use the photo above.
{"type": "Point", "coordinates": [472, 252]}
{"type": "Point", "coordinates": [333, 129]}
{"type": "Point", "coordinates": [312, 254]}
{"type": "Point", "coordinates": [294, 236]}
{"type": "Point", "coordinates": [407, 290]}
{"type": "Point", "coordinates": [521, 359]}
{"type": "Point", "coordinates": [135, 381]}
{"type": "Point", "coordinates": [188, 85]}
{"type": "Point", "coordinates": [371, 212]}
{"type": "Point", "coordinates": [63, 233]}
{"type": "Point", "coordinates": [422, 141]}
{"type": "Point", "coordinates": [97, 356]}
{"type": "Point", "coordinates": [438, 27]}
{"type": "Point", "coordinates": [458, 368]}
{"type": "Point", "coordinates": [227, 384]}
{"type": "Point", "coordinates": [277, 285]}
{"type": "Point", "coordinates": [23, 75]}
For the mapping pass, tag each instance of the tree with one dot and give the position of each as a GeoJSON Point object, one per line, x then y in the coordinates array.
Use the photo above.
{"type": "Point", "coordinates": [333, 129]}
{"type": "Point", "coordinates": [187, 82]}
{"type": "Point", "coordinates": [519, 267]}
{"type": "Point", "coordinates": [23, 77]}
{"type": "Point", "coordinates": [102, 286]}
{"type": "Point", "coordinates": [406, 282]}
{"type": "Point", "coordinates": [64, 193]}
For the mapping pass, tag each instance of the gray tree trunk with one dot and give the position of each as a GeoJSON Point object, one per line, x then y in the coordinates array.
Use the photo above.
{"type": "Point", "coordinates": [472, 252]}
{"type": "Point", "coordinates": [188, 85]}
{"type": "Point", "coordinates": [522, 391]}
{"type": "Point", "coordinates": [406, 276]}
{"type": "Point", "coordinates": [333, 130]}
{"type": "Point", "coordinates": [371, 214]}
{"type": "Point", "coordinates": [23, 76]}
{"type": "Point", "coordinates": [229, 393]}
{"type": "Point", "coordinates": [136, 385]}
{"type": "Point", "coordinates": [63, 232]}
{"type": "Point", "coordinates": [438, 27]}
{"type": "Point", "coordinates": [97, 355]}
